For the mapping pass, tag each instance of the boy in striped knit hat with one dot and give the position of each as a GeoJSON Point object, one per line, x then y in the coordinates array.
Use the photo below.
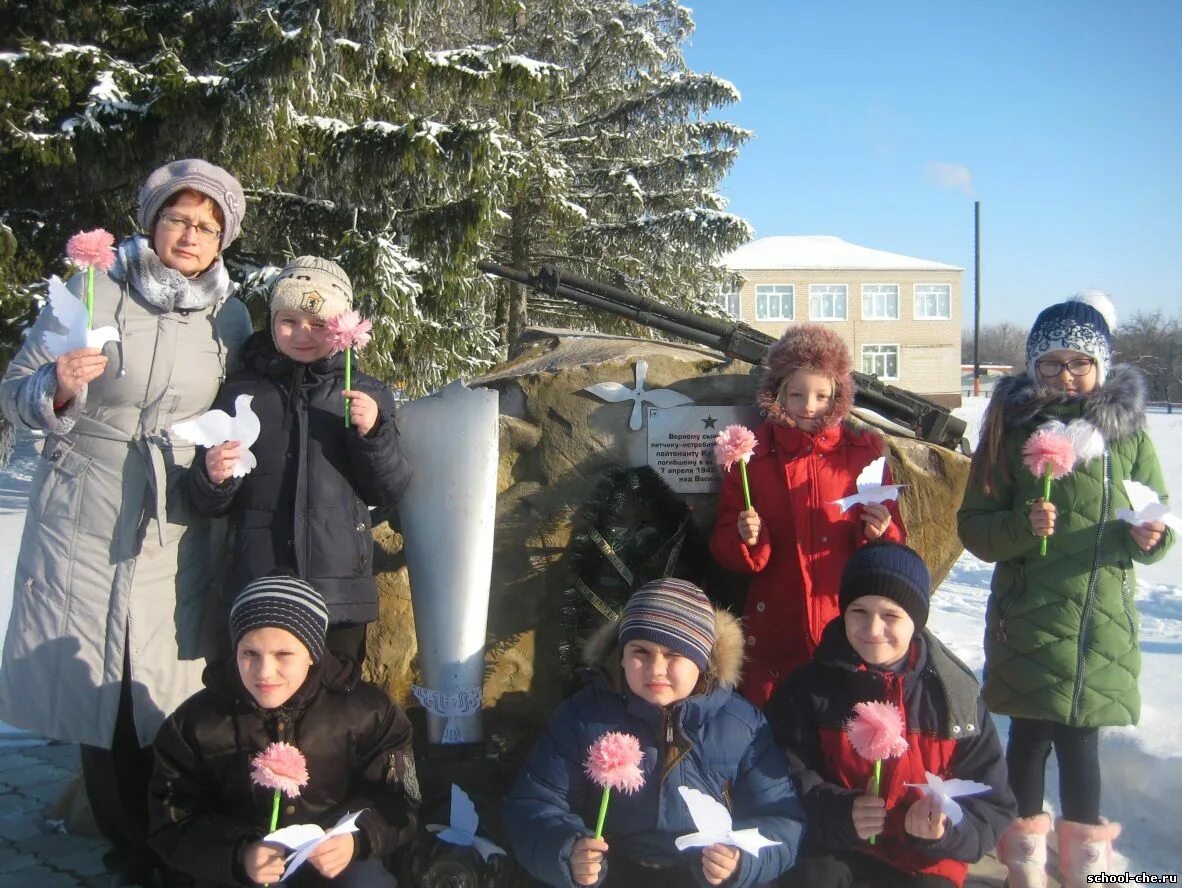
{"type": "Point", "coordinates": [209, 818]}
{"type": "Point", "coordinates": [665, 673]}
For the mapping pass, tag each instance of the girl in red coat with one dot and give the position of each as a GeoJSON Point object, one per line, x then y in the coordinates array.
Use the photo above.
{"type": "Point", "coordinates": [793, 540]}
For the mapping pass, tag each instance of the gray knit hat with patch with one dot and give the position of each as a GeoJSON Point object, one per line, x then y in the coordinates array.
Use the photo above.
{"type": "Point", "coordinates": [317, 286]}
{"type": "Point", "coordinates": [196, 175]}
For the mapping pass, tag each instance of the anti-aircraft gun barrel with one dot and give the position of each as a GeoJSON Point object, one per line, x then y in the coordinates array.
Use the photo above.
{"type": "Point", "coordinates": [927, 419]}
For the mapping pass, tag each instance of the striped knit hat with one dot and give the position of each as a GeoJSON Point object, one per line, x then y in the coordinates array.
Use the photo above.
{"type": "Point", "coordinates": [672, 613]}
{"type": "Point", "coordinates": [283, 602]}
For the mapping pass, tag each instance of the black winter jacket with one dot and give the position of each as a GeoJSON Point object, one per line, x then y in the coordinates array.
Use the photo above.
{"type": "Point", "coordinates": [304, 506]}
{"type": "Point", "coordinates": [203, 806]}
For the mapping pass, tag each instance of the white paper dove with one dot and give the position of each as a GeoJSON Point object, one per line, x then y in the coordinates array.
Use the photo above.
{"type": "Point", "coordinates": [463, 826]}
{"type": "Point", "coordinates": [870, 487]}
{"type": "Point", "coordinates": [713, 821]}
{"type": "Point", "coordinates": [71, 314]}
{"type": "Point", "coordinates": [303, 838]}
{"type": "Point", "coordinates": [1147, 506]}
{"type": "Point", "coordinates": [947, 791]}
{"type": "Point", "coordinates": [217, 427]}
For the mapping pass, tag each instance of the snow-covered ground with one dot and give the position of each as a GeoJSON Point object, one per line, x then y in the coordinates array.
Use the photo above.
{"type": "Point", "coordinates": [1142, 765]}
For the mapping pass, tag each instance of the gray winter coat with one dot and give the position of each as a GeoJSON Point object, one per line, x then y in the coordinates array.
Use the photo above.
{"type": "Point", "coordinates": [112, 564]}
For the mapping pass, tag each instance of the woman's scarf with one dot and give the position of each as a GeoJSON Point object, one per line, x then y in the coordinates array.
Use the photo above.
{"type": "Point", "coordinates": [166, 288]}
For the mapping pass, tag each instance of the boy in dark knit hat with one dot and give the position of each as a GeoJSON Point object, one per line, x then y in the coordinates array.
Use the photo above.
{"type": "Point", "coordinates": [880, 650]}
{"type": "Point", "coordinates": [665, 674]}
{"type": "Point", "coordinates": [304, 508]}
{"type": "Point", "coordinates": [795, 539]}
{"type": "Point", "coordinates": [209, 818]}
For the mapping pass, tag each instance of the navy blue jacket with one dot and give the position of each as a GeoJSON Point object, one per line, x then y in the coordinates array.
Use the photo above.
{"type": "Point", "coordinates": [714, 741]}
{"type": "Point", "coordinates": [304, 507]}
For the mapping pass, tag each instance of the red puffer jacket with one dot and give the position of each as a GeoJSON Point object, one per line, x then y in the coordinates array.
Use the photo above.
{"type": "Point", "coordinates": [949, 733]}
{"type": "Point", "coordinates": [803, 544]}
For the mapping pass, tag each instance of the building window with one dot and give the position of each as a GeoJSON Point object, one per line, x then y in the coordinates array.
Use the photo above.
{"type": "Point", "coordinates": [880, 302]}
{"type": "Point", "coordinates": [881, 361]}
{"type": "Point", "coordinates": [933, 302]}
{"type": "Point", "coordinates": [729, 303]}
{"type": "Point", "coordinates": [773, 302]}
{"type": "Point", "coordinates": [827, 302]}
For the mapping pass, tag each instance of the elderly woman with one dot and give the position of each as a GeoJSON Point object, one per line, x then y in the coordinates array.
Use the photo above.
{"type": "Point", "coordinates": [108, 630]}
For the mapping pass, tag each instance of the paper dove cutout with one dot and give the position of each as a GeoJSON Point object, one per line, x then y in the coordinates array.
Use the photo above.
{"type": "Point", "coordinates": [303, 838]}
{"type": "Point", "coordinates": [870, 487]}
{"type": "Point", "coordinates": [70, 313]}
{"type": "Point", "coordinates": [463, 826]}
{"type": "Point", "coordinates": [713, 821]}
{"type": "Point", "coordinates": [217, 427]}
{"type": "Point", "coordinates": [947, 791]}
{"type": "Point", "coordinates": [1147, 507]}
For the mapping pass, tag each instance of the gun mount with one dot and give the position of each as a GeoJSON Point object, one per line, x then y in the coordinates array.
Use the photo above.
{"type": "Point", "coordinates": [926, 419]}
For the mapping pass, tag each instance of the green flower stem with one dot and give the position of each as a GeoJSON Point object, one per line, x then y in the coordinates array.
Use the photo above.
{"type": "Point", "coordinates": [274, 819]}
{"type": "Point", "coordinates": [90, 297]}
{"type": "Point", "coordinates": [348, 384]}
{"type": "Point", "coordinates": [746, 489]}
{"type": "Point", "coordinates": [875, 784]}
{"type": "Point", "coordinates": [1046, 495]}
{"type": "Point", "coordinates": [602, 813]}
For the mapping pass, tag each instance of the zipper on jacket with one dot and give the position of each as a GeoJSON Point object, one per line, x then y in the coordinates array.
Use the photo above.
{"type": "Point", "coordinates": [1126, 600]}
{"type": "Point", "coordinates": [1090, 598]}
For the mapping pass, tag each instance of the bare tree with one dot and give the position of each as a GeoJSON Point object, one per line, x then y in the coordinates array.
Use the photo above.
{"type": "Point", "coordinates": [1003, 343]}
{"type": "Point", "coordinates": [1153, 342]}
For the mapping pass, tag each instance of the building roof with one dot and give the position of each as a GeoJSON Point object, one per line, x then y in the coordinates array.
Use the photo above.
{"type": "Point", "coordinates": [818, 251]}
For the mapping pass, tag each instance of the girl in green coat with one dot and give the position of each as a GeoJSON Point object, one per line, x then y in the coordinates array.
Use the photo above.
{"type": "Point", "coordinates": [1061, 647]}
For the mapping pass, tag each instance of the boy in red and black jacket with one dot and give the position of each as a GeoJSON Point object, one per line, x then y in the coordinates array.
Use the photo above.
{"type": "Point", "coordinates": [879, 650]}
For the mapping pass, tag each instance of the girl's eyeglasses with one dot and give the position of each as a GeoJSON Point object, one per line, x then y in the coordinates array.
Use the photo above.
{"type": "Point", "coordinates": [205, 233]}
{"type": "Point", "coordinates": [1076, 366]}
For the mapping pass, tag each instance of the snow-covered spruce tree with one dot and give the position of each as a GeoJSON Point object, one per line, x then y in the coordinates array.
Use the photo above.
{"type": "Point", "coordinates": [406, 138]}
{"type": "Point", "coordinates": [621, 165]}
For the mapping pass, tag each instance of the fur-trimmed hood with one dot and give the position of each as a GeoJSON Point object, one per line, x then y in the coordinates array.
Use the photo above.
{"type": "Point", "coordinates": [602, 653]}
{"type": "Point", "coordinates": [807, 347]}
{"type": "Point", "coordinates": [1116, 409]}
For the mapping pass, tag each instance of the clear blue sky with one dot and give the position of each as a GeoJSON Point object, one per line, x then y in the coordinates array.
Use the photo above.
{"type": "Point", "coordinates": [881, 123]}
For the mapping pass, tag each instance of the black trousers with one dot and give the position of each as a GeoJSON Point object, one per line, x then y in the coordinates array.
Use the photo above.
{"type": "Point", "coordinates": [851, 869]}
{"type": "Point", "coordinates": [1077, 751]}
{"type": "Point", "coordinates": [117, 781]}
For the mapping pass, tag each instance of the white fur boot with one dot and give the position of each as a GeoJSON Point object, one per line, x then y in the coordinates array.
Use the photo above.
{"type": "Point", "coordinates": [1023, 850]}
{"type": "Point", "coordinates": [1084, 850]}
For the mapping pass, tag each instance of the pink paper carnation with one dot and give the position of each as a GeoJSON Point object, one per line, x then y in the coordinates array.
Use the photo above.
{"type": "Point", "coordinates": [876, 731]}
{"type": "Point", "coordinates": [613, 761]}
{"type": "Point", "coordinates": [280, 766]}
{"type": "Point", "coordinates": [92, 249]}
{"type": "Point", "coordinates": [734, 443]}
{"type": "Point", "coordinates": [348, 330]}
{"type": "Point", "coordinates": [1049, 449]}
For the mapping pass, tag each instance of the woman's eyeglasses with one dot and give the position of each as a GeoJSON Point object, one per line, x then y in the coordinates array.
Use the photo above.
{"type": "Point", "coordinates": [205, 233]}
{"type": "Point", "coordinates": [1076, 366]}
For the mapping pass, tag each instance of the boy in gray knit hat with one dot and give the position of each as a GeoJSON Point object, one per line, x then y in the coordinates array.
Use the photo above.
{"type": "Point", "coordinates": [315, 476]}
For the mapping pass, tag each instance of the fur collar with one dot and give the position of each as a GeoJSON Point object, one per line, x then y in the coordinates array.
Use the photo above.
{"type": "Point", "coordinates": [1116, 409]}
{"type": "Point", "coordinates": [602, 652]}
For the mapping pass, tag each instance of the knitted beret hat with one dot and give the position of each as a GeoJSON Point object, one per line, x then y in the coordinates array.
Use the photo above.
{"type": "Point", "coordinates": [212, 181]}
{"type": "Point", "coordinates": [282, 602]}
{"type": "Point", "coordinates": [1084, 323]}
{"type": "Point", "coordinates": [671, 613]}
{"type": "Point", "coordinates": [317, 286]}
{"type": "Point", "coordinates": [893, 571]}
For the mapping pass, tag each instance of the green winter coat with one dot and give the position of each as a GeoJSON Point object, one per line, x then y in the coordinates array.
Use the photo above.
{"type": "Point", "coordinates": [1061, 630]}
